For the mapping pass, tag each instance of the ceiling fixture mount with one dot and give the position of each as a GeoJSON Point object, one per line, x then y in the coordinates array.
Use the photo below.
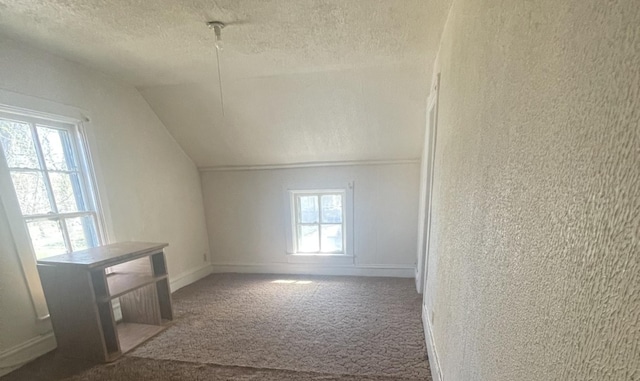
{"type": "Point", "coordinates": [217, 27]}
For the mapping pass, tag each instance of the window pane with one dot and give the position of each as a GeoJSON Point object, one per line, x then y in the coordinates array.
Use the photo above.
{"type": "Point", "coordinates": [31, 192]}
{"type": "Point", "coordinates": [308, 241]}
{"type": "Point", "coordinates": [82, 232]}
{"type": "Point", "coordinates": [331, 208]}
{"type": "Point", "coordinates": [56, 149]}
{"type": "Point", "coordinates": [331, 240]}
{"type": "Point", "coordinates": [46, 237]}
{"type": "Point", "coordinates": [66, 191]}
{"type": "Point", "coordinates": [308, 209]}
{"type": "Point", "coordinates": [17, 144]}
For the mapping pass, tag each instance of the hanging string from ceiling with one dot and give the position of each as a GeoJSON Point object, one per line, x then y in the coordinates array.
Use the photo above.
{"type": "Point", "coordinates": [217, 28]}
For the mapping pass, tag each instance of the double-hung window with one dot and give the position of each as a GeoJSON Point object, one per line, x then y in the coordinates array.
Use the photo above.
{"type": "Point", "coordinates": [49, 172]}
{"type": "Point", "coordinates": [319, 221]}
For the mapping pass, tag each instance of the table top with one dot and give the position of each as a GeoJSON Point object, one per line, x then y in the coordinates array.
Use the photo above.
{"type": "Point", "coordinates": [104, 256]}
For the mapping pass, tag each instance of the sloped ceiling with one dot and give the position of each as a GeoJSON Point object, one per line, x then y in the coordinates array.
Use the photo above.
{"type": "Point", "coordinates": [303, 80]}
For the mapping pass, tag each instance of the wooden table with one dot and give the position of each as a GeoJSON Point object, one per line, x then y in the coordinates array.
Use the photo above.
{"type": "Point", "coordinates": [80, 293]}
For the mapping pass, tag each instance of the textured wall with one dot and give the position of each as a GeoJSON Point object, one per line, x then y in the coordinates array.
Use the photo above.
{"type": "Point", "coordinates": [537, 191]}
{"type": "Point", "coordinates": [151, 188]}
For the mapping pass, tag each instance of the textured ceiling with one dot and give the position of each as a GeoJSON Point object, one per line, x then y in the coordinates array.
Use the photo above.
{"type": "Point", "coordinates": [303, 80]}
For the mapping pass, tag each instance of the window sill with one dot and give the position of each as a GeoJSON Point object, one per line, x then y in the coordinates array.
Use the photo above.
{"type": "Point", "coordinates": [321, 254]}
{"type": "Point", "coordinates": [324, 259]}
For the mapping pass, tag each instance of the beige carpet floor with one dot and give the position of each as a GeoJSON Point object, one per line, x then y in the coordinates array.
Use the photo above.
{"type": "Point", "coordinates": [272, 327]}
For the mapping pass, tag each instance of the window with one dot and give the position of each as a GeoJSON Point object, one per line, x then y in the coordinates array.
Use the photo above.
{"type": "Point", "coordinates": [319, 221]}
{"type": "Point", "coordinates": [48, 170]}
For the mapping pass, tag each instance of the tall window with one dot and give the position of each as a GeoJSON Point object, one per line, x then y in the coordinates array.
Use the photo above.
{"type": "Point", "coordinates": [50, 178]}
{"type": "Point", "coordinates": [319, 221]}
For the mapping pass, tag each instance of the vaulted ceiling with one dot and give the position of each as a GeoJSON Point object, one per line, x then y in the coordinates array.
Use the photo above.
{"type": "Point", "coordinates": [302, 80]}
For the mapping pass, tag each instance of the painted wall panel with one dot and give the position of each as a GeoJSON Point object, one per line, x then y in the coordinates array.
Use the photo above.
{"type": "Point", "coordinates": [246, 212]}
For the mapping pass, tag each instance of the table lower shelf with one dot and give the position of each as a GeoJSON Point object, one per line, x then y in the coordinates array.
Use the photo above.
{"type": "Point", "coordinates": [130, 335]}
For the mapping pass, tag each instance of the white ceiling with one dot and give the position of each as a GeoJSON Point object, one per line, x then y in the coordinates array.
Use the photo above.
{"type": "Point", "coordinates": [304, 80]}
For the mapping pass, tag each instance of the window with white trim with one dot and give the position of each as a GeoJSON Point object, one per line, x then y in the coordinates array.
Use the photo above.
{"type": "Point", "coordinates": [318, 221]}
{"type": "Point", "coordinates": [48, 169]}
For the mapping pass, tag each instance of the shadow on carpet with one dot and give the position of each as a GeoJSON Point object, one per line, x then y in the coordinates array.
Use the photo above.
{"type": "Point", "coordinates": [139, 369]}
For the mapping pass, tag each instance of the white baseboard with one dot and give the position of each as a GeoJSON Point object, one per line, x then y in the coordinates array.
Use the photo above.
{"type": "Point", "coordinates": [434, 362]}
{"type": "Point", "coordinates": [313, 269]}
{"type": "Point", "coordinates": [186, 278]}
{"type": "Point", "coordinates": [14, 357]}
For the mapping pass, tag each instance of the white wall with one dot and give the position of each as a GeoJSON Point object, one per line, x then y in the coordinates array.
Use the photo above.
{"type": "Point", "coordinates": [246, 214]}
{"type": "Point", "coordinates": [536, 230]}
{"type": "Point", "coordinates": [151, 188]}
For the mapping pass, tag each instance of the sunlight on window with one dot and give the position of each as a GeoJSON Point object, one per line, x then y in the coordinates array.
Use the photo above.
{"type": "Point", "coordinates": [50, 185]}
{"type": "Point", "coordinates": [319, 222]}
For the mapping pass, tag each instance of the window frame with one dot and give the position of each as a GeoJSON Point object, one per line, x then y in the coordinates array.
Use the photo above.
{"type": "Point", "coordinates": [295, 206]}
{"type": "Point", "coordinates": [81, 185]}
{"type": "Point", "coordinates": [292, 194]}
{"type": "Point", "coordinates": [87, 182]}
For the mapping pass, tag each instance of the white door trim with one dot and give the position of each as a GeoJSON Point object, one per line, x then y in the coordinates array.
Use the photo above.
{"type": "Point", "coordinates": [426, 187]}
